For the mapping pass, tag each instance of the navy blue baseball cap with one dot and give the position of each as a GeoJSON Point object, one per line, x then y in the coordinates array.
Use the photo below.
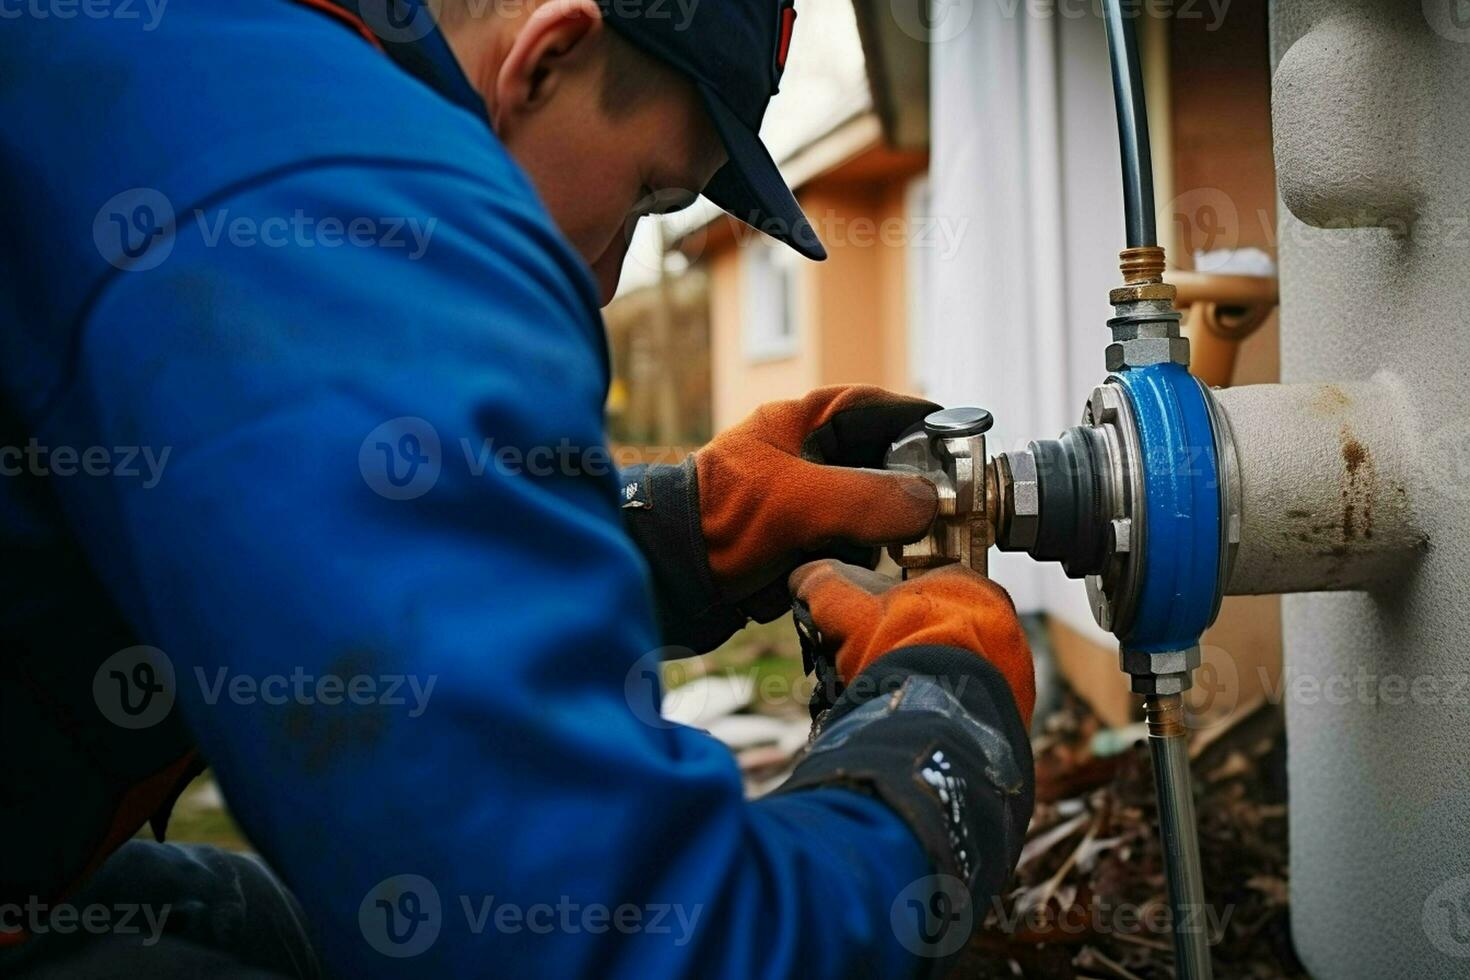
{"type": "Point", "coordinates": [735, 53]}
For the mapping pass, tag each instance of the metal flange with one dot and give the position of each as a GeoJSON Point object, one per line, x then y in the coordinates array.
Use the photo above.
{"type": "Point", "coordinates": [1113, 591]}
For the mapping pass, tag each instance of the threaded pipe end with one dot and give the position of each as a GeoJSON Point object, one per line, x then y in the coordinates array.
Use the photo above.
{"type": "Point", "coordinates": [1143, 264]}
{"type": "Point", "coordinates": [1164, 715]}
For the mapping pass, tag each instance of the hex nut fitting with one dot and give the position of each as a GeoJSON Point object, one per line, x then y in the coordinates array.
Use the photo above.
{"type": "Point", "coordinates": [1138, 662]}
{"type": "Point", "coordinates": [1143, 291]}
{"type": "Point", "coordinates": [1021, 501]}
{"type": "Point", "coordinates": [1146, 326]}
{"type": "Point", "coordinates": [1164, 672]}
{"type": "Point", "coordinates": [1143, 351]}
{"type": "Point", "coordinates": [1161, 684]}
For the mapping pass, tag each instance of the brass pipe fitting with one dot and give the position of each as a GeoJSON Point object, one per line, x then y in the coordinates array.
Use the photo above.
{"type": "Point", "coordinates": [1146, 327]}
{"type": "Point", "coordinates": [1142, 264]}
{"type": "Point", "coordinates": [1143, 277]}
{"type": "Point", "coordinates": [1164, 715]}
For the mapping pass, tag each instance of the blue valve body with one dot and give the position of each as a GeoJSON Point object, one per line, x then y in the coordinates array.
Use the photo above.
{"type": "Point", "coordinates": [1182, 504]}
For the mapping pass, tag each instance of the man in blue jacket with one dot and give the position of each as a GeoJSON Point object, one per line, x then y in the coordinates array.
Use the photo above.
{"type": "Point", "coordinates": [304, 475]}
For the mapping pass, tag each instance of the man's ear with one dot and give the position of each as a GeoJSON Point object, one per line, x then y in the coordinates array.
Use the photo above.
{"type": "Point", "coordinates": [553, 36]}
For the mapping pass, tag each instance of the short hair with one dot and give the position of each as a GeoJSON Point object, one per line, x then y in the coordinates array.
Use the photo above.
{"type": "Point", "coordinates": [629, 75]}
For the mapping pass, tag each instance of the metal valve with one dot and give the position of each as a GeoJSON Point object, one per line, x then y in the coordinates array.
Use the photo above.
{"type": "Point", "coordinates": [949, 451]}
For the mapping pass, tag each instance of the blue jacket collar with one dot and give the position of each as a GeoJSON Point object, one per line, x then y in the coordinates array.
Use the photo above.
{"type": "Point", "coordinates": [409, 35]}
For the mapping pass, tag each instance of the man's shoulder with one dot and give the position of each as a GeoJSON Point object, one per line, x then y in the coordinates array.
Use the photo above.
{"type": "Point", "coordinates": [122, 128]}
{"type": "Point", "coordinates": [209, 97]}
{"type": "Point", "coordinates": [217, 90]}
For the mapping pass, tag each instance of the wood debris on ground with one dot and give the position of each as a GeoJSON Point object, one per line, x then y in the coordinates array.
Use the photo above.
{"type": "Point", "coordinates": [1088, 899]}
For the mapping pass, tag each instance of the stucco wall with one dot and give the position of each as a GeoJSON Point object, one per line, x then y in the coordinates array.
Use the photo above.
{"type": "Point", "coordinates": [853, 325]}
{"type": "Point", "coordinates": [739, 384]}
{"type": "Point", "coordinates": [1373, 163]}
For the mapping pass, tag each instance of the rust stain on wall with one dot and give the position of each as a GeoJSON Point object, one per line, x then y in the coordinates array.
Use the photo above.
{"type": "Point", "coordinates": [1359, 487]}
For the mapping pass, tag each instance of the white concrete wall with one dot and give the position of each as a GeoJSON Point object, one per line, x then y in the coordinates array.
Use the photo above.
{"type": "Point", "coordinates": [1372, 138]}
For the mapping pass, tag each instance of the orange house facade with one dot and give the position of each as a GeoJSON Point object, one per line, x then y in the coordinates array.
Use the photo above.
{"type": "Point", "coordinates": [780, 324]}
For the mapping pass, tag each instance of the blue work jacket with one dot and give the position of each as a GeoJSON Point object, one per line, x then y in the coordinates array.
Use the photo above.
{"type": "Point", "coordinates": [278, 320]}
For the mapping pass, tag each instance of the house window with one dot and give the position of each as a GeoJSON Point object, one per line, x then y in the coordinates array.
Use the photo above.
{"type": "Point", "coordinates": [769, 321]}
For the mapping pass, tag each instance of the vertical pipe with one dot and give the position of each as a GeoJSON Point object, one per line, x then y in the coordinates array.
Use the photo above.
{"type": "Point", "coordinates": [1164, 714]}
{"type": "Point", "coordinates": [1143, 263]}
{"type": "Point", "coordinates": [1138, 178]}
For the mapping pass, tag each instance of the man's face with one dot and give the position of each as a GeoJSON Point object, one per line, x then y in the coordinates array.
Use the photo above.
{"type": "Point", "coordinates": [599, 171]}
{"type": "Point", "coordinates": [607, 134]}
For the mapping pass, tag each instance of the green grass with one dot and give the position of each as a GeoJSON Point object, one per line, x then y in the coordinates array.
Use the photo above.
{"type": "Point", "coordinates": [200, 818]}
{"type": "Point", "coordinates": [768, 653]}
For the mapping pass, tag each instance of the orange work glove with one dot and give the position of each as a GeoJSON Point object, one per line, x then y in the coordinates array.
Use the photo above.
{"type": "Point", "coordinates": [864, 615]}
{"type": "Point", "coordinates": [786, 482]}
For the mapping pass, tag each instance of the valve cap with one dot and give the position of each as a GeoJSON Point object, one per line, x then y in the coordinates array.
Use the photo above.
{"type": "Point", "coordinates": [956, 423]}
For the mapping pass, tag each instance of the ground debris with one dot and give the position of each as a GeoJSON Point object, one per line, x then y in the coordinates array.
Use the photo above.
{"type": "Point", "coordinates": [1088, 898]}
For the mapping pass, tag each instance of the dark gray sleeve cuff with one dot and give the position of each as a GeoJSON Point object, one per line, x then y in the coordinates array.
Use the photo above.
{"type": "Point", "coordinates": [661, 514]}
{"type": "Point", "coordinates": [934, 733]}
